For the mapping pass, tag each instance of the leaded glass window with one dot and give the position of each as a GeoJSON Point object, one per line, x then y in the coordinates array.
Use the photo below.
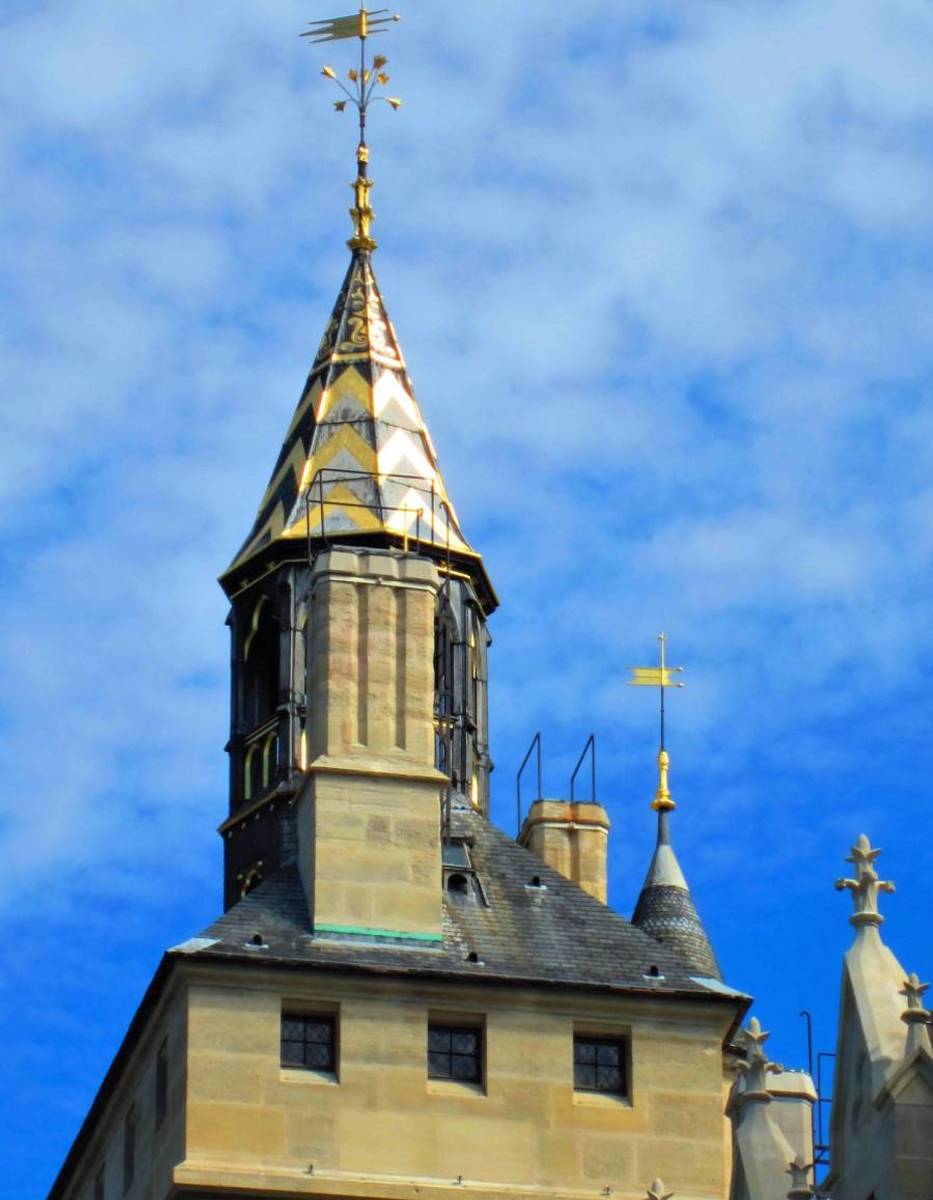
{"type": "Point", "coordinates": [599, 1065]}
{"type": "Point", "coordinates": [455, 1052]}
{"type": "Point", "coordinates": [309, 1043]}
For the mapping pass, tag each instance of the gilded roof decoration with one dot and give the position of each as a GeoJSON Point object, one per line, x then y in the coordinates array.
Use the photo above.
{"type": "Point", "coordinates": [357, 458]}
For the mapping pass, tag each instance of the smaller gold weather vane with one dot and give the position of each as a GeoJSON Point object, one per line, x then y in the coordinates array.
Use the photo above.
{"type": "Point", "coordinates": [365, 81]}
{"type": "Point", "coordinates": [661, 677]}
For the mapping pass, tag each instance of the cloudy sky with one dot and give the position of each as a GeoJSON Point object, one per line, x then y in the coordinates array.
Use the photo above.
{"type": "Point", "coordinates": [662, 273]}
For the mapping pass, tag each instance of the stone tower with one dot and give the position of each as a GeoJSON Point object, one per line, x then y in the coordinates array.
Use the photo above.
{"type": "Point", "coordinates": [325, 585]}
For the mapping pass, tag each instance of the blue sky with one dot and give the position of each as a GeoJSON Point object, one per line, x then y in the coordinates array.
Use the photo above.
{"type": "Point", "coordinates": [662, 274]}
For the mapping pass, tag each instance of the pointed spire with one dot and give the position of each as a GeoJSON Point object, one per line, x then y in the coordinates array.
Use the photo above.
{"type": "Point", "coordinates": [665, 908]}
{"type": "Point", "coordinates": [357, 465]}
{"type": "Point", "coordinates": [916, 1016]}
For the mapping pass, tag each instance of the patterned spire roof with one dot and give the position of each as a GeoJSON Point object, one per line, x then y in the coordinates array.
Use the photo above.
{"type": "Point", "coordinates": [666, 911]}
{"type": "Point", "coordinates": [357, 461]}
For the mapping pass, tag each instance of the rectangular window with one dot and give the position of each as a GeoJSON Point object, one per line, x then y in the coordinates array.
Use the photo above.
{"type": "Point", "coordinates": [309, 1043]}
{"type": "Point", "coordinates": [599, 1065]}
{"type": "Point", "coordinates": [161, 1084]}
{"type": "Point", "coordinates": [129, 1149]}
{"type": "Point", "coordinates": [99, 1185]}
{"type": "Point", "coordinates": [455, 1052]}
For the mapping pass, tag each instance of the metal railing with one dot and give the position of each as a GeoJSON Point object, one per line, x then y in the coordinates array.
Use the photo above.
{"type": "Point", "coordinates": [591, 747]}
{"type": "Point", "coordinates": [535, 744]}
{"type": "Point", "coordinates": [433, 507]}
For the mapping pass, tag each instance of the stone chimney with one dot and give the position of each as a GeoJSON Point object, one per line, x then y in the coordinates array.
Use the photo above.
{"type": "Point", "coordinates": [571, 837]}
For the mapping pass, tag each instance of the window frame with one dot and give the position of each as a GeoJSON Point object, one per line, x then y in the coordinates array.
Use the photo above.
{"type": "Point", "coordinates": [456, 1026]}
{"type": "Point", "coordinates": [620, 1040]}
{"type": "Point", "coordinates": [307, 1017]}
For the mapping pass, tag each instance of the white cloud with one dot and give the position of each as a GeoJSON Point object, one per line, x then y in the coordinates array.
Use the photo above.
{"type": "Point", "coordinates": [664, 290]}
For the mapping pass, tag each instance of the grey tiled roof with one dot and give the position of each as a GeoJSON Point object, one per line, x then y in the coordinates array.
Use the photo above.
{"type": "Point", "coordinates": [669, 915]}
{"type": "Point", "coordinates": [553, 933]}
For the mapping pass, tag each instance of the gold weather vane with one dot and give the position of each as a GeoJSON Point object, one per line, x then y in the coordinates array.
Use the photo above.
{"type": "Point", "coordinates": [364, 80]}
{"type": "Point", "coordinates": [661, 677]}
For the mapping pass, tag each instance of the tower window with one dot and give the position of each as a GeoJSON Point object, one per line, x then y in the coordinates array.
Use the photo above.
{"type": "Point", "coordinates": [161, 1084]}
{"type": "Point", "coordinates": [309, 1043]}
{"type": "Point", "coordinates": [253, 773]}
{"type": "Point", "coordinates": [455, 1052]}
{"type": "Point", "coordinates": [600, 1065]}
{"type": "Point", "coordinates": [129, 1149]}
{"type": "Point", "coordinates": [99, 1185]}
{"type": "Point", "coordinates": [261, 666]}
{"type": "Point", "coordinates": [270, 758]}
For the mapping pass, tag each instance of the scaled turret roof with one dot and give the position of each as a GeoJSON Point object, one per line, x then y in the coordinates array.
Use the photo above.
{"type": "Point", "coordinates": [358, 462]}
{"type": "Point", "coordinates": [666, 910]}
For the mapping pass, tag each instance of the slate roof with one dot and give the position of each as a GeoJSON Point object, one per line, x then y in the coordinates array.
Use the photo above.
{"type": "Point", "coordinates": [357, 459]}
{"type": "Point", "coordinates": [666, 910]}
{"type": "Point", "coordinates": [552, 933]}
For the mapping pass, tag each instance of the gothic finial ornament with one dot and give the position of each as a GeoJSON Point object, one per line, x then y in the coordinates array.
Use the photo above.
{"type": "Point", "coordinates": [657, 1192]}
{"type": "Point", "coordinates": [757, 1066]}
{"type": "Point", "coordinates": [364, 81]}
{"type": "Point", "coordinates": [866, 885]}
{"type": "Point", "coordinates": [916, 1016]}
{"type": "Point", "coordinates": [660, 677]}
{"type": "Point", "coordinates": [799, 1172]}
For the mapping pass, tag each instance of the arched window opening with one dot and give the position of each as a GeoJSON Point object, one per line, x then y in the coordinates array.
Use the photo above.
{"type": "Point", "coordinates": [261, 666]}
{"type": "Point", "coordinates": [253, 773]}
{"type": "Point", "coordinates": [458, 883]}
{"type": "Point", "coordinates": [444, 686]}
{"type": "Point", "coordinates": [270, 759]}
{"type": "Point", "coordinates": [250, 879]}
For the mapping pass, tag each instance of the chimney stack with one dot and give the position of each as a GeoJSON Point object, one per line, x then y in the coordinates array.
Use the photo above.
{"type": "Point", "coordinates": [573, 838]}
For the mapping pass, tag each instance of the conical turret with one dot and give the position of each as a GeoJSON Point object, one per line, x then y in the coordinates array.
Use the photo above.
{"type": "Point", "coordinates": [665, 908]}
{"type": "Point", "coordinates": [358, 463]}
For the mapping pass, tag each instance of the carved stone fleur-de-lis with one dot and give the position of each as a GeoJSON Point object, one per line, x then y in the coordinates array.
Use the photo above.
{"type": "Point", "coordinates": [799, 1172]}
{"type": "Point", "coordinates": [657, 1192]}
{"type": "Point", "coordinates": [757, 1066]}
{"type": "Point", "coordinates": [866, 885]}
{"type": "Point", "coordinates": [916, 1016]}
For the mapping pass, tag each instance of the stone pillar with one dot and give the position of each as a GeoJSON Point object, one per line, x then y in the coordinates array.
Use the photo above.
{"type": "Point", "coordinates": [572, 838]}
{"type": "Point", "coordinates": [369, 817]}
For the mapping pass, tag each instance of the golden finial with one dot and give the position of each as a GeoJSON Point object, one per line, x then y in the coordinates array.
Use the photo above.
{"type": "Point", "coordinates": [660, 677]}
{"type": "Point", "coordinates": [364, 81]}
